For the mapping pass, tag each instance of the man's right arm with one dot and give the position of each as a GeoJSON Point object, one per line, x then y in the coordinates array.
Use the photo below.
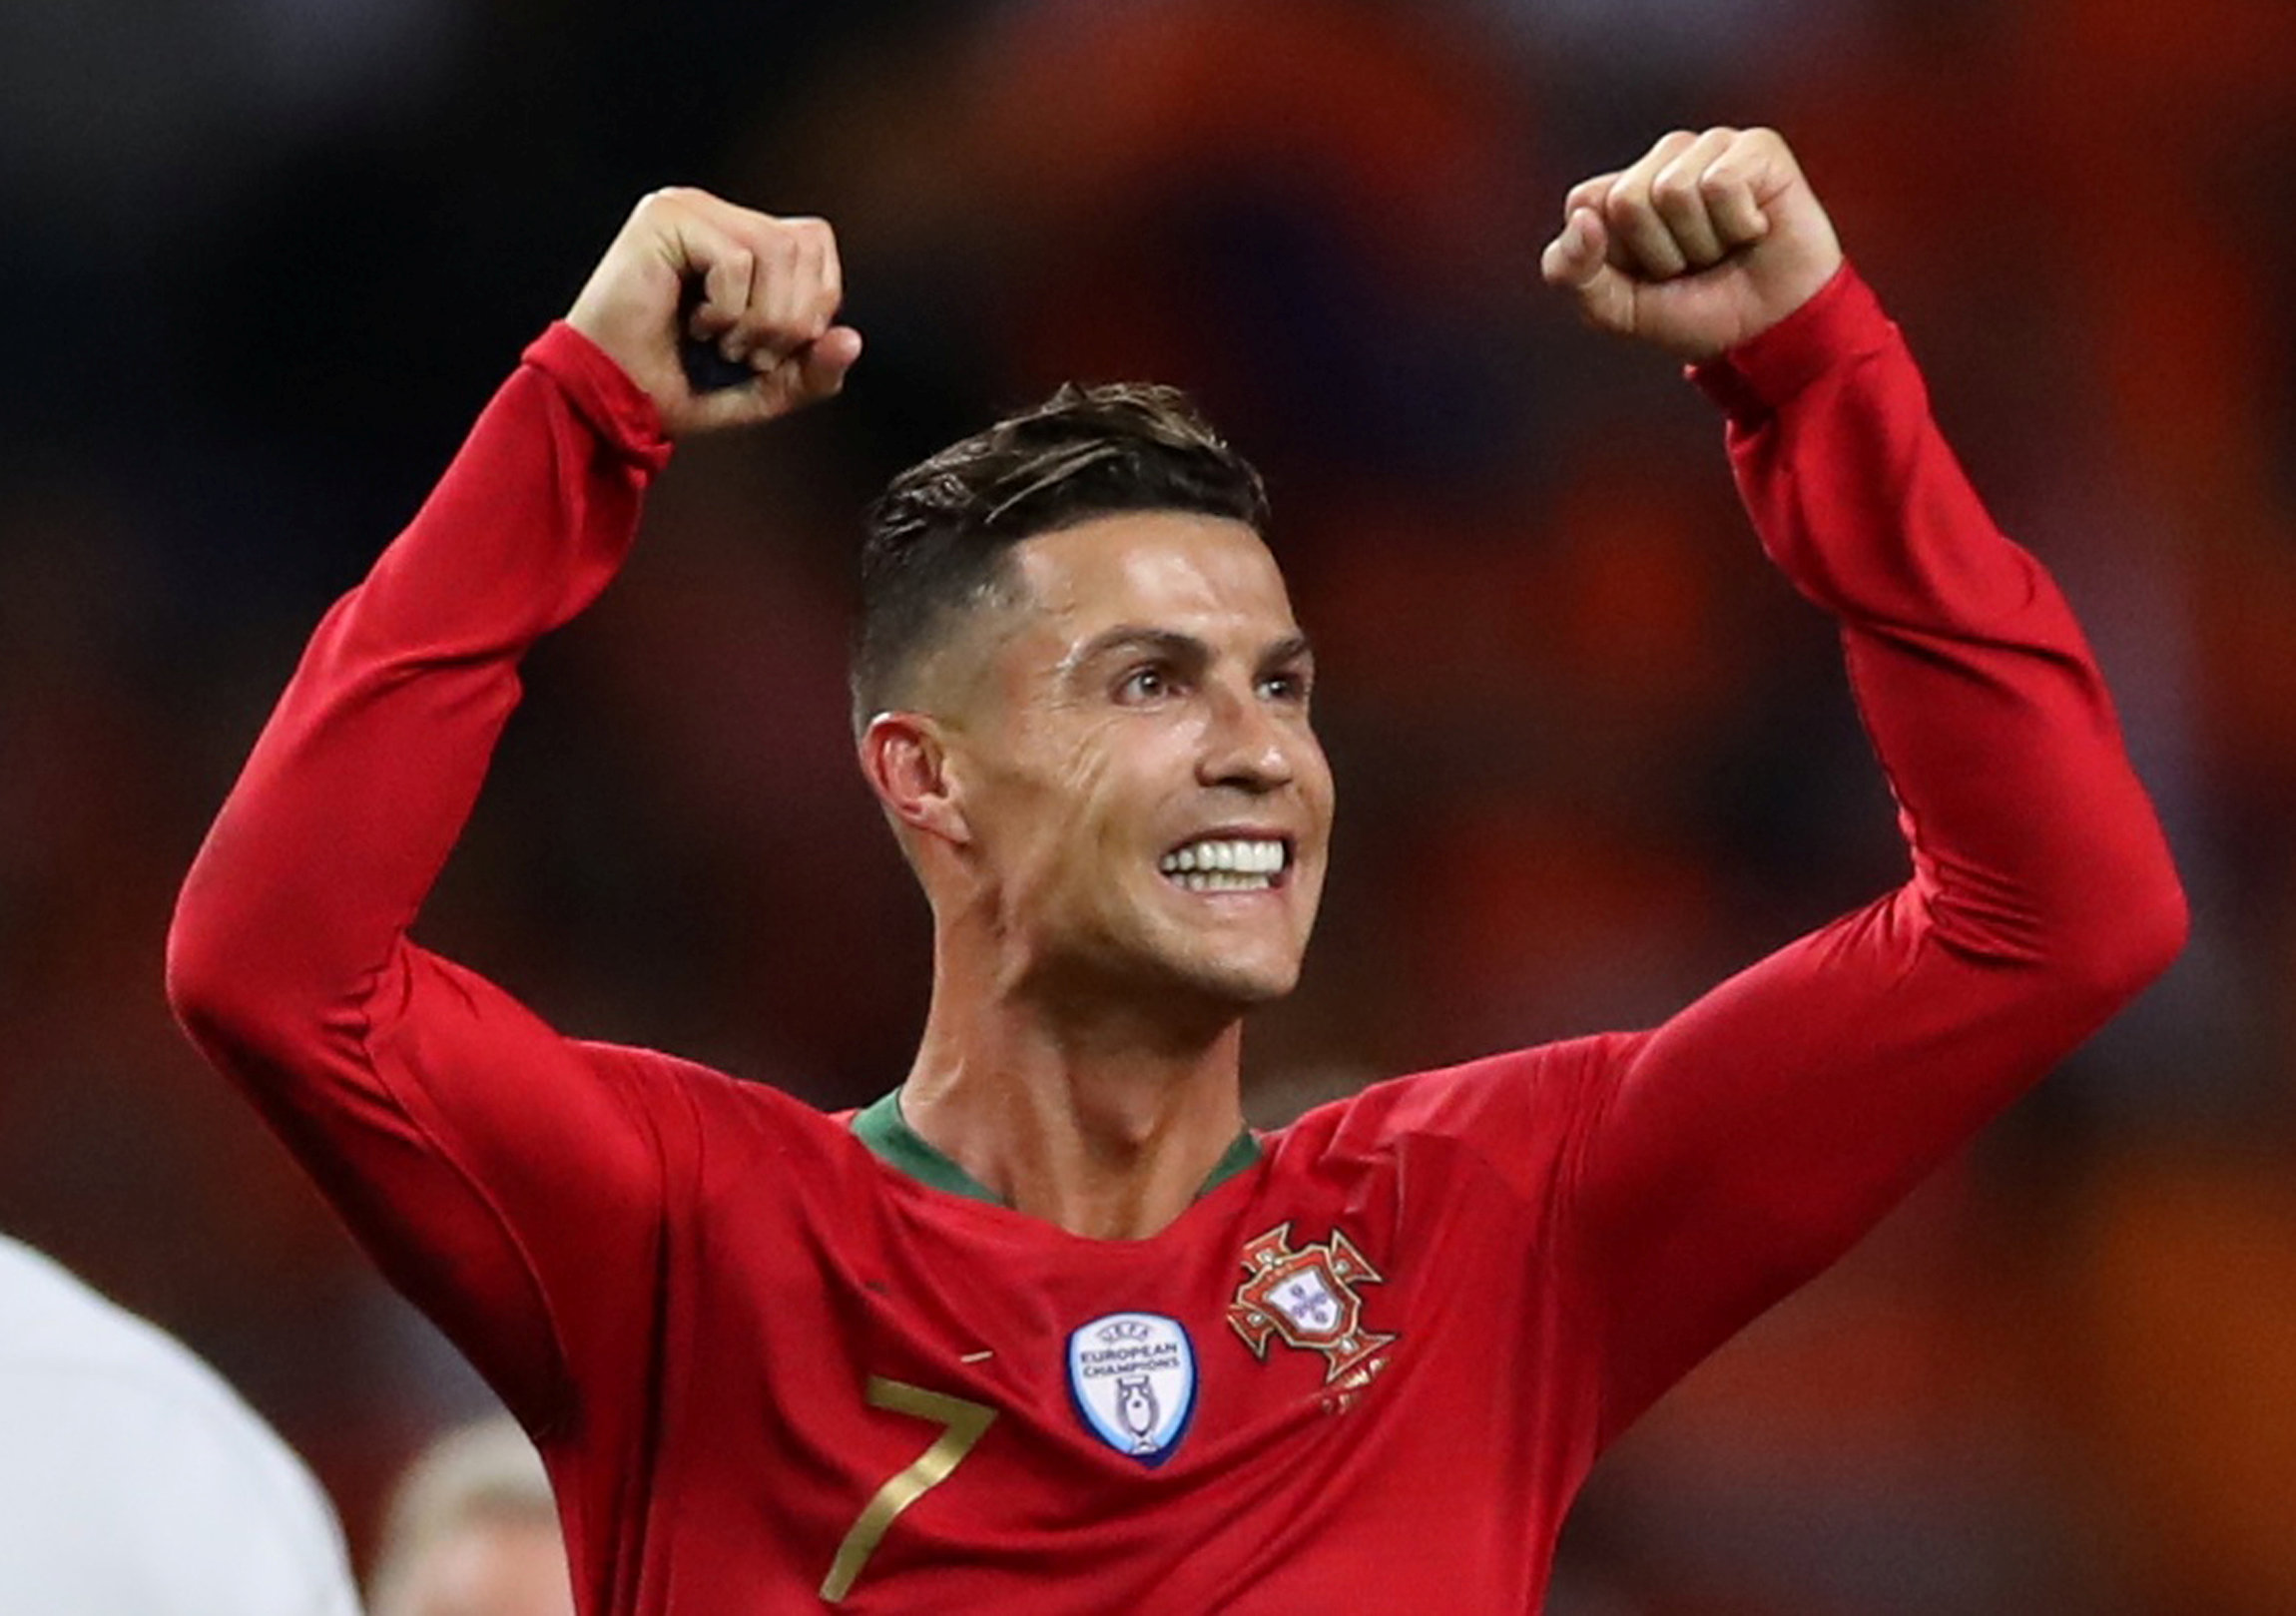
{"type": "Point", "coordinates": [489, 1165]}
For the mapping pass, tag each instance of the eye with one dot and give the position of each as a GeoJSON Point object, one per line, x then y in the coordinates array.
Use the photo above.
{"type": "Point", "coordinates": [1148, 682]}
{"type": "Point", "coordinates": [1289, 686]}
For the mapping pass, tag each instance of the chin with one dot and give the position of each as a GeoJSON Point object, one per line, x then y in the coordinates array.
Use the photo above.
{"type": "Point", "coordinates": [1236, 986]}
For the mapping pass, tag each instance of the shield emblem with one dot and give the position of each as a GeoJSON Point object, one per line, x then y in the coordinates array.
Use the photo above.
{"type": "Point", "coordinates": [1306, 1299]}
{"type": "Point", "coordinates": [1132, 1380]}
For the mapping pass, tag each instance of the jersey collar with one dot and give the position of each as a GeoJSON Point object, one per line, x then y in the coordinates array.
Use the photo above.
{"type": "Point", "coordinates": [894, 1142]}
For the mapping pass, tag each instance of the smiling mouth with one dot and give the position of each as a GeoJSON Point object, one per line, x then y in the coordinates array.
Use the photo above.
{"type": "Point", "coordinates": [1228, 864]}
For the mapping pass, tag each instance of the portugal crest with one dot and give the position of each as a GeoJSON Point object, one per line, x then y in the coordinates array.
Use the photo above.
{"type": "Point", "coordinates": [1307, 1296]}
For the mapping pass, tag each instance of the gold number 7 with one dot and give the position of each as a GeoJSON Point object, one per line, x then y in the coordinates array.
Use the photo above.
{"type": "Point", "coordinates": [961, 1423]}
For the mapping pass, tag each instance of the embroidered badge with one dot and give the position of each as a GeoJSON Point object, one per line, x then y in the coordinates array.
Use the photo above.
{"type": "Point", "coordinates": [1308, 1298]}
{"type": "Point", "coordinates": [1132, 1376]}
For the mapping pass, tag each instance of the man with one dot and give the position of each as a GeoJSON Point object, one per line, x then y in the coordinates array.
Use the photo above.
{"type": "Point", "coordinates": [473, 1531]}
{"type": "Point", "coordinates": [1048, 1329]}
{"type": "Point", "coordinates": [132, 1478]}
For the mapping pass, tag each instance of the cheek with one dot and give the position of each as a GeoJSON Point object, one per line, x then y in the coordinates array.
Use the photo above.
{"type": "Point", "coordinates": [1317, 787]}
{"type": "Point", "coordinates": [1081, 764]}
{"type": "Point", "coordinates": [1095, 795]}
{"type": "Point", "coordinates": [1075, 798]}
{"type": "Point", "coordinates": [1052, 811]}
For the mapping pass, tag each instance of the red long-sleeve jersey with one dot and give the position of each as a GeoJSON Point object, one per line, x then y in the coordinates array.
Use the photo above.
{"type": "Point", "coordinates": [778, 1359]}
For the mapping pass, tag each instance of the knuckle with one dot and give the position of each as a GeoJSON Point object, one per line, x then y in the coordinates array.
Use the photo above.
{"type": "Point", "coordinates": [1630, 205]}
{"type": "Point", "coordinates": [1590, 192]}
{"type": "Point", "coordinates": [791, 232]}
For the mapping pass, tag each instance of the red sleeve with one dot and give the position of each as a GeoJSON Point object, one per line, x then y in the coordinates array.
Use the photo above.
{"type": "Point", "coordinates": [1725, 1157]}
{"type": "Point", "coordinates": [488, 1163]}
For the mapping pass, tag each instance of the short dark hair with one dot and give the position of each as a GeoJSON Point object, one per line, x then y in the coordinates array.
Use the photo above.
{"type": "Point", "coordinates": [938, 537]}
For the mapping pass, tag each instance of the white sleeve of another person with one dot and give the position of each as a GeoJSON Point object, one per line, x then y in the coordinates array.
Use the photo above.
{"type": "Point", "coordinates": [134, 1480]}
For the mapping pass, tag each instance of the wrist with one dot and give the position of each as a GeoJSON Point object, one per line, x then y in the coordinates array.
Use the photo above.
{"type": "Point", "coordinates": [603, 393]}
{"type": "Point", "coordinates": [1842, 320]}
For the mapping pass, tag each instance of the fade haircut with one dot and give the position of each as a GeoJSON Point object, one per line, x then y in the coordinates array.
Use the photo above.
{"type": "Point", "coordinates": [938, 538]}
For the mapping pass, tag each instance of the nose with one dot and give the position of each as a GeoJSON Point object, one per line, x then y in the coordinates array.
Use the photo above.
{"type": "Point", "coordinates": [1246, 745]}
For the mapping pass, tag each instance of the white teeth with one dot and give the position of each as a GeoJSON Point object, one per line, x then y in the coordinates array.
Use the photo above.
{"type": "Point", "coordinates": [1222, 880]}
{"type": "Point", "coordinates": [1225, 865]}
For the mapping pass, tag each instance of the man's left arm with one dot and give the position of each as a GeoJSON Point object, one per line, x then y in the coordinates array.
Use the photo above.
{"type": "Point", "coordinates": [1730, 1154]}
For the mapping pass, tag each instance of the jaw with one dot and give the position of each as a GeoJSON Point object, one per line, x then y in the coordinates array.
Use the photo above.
{"type": "Point", "coordinates": [1131, 942]}
{"type": "Point", "coordinates": [1166, 962]}
{"type": "Point", "coordinates": [1241, 946]}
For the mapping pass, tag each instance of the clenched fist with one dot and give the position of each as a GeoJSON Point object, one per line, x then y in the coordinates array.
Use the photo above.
{"type": "Point", "coordinates": [767, 295]}
{"type": "Point", "coordinates": [1707, 240]}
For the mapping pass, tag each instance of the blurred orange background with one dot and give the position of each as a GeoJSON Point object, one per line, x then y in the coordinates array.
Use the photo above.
{"type": "Point", "coordinates": [267, 257]}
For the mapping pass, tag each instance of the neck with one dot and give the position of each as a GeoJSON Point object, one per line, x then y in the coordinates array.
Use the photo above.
{"type": "Point", "coordinates": [1105, 1121]}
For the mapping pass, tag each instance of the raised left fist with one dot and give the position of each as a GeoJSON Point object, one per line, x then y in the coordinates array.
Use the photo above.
{"type": "Point", "coordinates": [1706, 241]}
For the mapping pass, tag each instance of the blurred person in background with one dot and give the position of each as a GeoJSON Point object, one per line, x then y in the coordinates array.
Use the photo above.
{"type": "Point", "coordinates": [134, 1480]}
{"type": "Point", "coordinates": [471, 1530]}
{"type": "Point", "coordinates": [1047, 1327]}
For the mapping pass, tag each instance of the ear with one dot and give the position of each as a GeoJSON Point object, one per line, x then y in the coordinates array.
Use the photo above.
{"type": "Point", "coordinates": [904, 758]}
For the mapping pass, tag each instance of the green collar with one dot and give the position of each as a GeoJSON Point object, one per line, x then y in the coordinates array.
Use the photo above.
{"type": "Point", "coordinates": [892, 1141]}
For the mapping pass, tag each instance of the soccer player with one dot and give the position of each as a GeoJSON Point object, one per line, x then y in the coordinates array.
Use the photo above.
{"type": "Point", "coordinates": [1048, 1329]}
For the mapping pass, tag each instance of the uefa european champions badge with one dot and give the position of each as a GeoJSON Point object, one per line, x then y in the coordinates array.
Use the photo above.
{"type": "Point", "coordinates": [1132, 1376]}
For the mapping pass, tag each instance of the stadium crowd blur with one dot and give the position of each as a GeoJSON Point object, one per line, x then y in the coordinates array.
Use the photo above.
{"type": "Point", "coordinates": [264, 259]}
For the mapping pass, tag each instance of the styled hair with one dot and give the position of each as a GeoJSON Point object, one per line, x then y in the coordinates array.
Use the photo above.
{"type": "Point", "coordinates": [483, 1472]}
{"type": "Point", "coordinates": [937, 539]}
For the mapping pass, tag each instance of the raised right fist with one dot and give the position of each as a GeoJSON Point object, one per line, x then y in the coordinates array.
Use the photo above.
{"type": "Point", "coordinates": [1707, 240]}
{"type": "Point", "coordinates": [768, 294]}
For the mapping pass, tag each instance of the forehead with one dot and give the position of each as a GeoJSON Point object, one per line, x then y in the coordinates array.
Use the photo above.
{"type": "Point", "coordinates": [1206, 576]}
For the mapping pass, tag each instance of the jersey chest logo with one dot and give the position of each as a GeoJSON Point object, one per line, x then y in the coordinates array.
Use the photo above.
{"type": "Point", "coordinates": [1306, 1297]}
{"type": "Point", "coordinates": [1132, 1376]}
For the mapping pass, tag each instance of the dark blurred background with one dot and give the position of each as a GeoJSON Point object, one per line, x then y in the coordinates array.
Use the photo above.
{"type": "Point", "coordinates": [262, 259]}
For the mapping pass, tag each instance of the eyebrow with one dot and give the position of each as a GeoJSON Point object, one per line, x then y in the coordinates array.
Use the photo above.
{"type": "Point", "coordinates": [1172, 646]}
{"type": "Point", "coordinates": [1165, 643]}
{"type": "Point", "coordinates": [1291, 647]}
